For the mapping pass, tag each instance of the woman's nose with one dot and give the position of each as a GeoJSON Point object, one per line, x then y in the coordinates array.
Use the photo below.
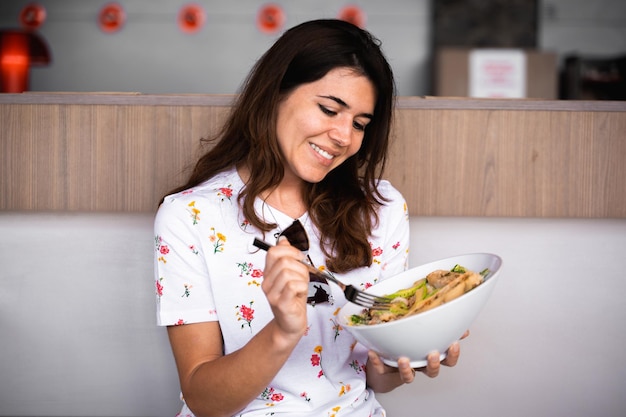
{"type": "Point", "coordinates": [341, 132]}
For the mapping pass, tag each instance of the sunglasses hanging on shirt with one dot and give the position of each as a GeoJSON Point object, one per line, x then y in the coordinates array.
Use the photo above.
{"type": "Point", "coordinates": [319, 290]}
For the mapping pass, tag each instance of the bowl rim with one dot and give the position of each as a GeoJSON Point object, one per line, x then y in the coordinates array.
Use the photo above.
{"type": "Point", "coordinates": [490, 280]}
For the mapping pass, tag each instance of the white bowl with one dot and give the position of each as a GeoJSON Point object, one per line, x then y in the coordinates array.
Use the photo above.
{"type": "Point", "coordinates": [416, 336]}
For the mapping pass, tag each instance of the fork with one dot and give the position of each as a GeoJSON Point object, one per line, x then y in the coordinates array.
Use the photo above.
{"type": "Point", "coordinates": [352, 294]}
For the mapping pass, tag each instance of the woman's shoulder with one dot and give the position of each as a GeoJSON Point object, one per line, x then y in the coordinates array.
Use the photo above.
{"type": "Point", "coordinates": [225, 185]}
{"type": "Point", "coordinates": [389, 192]}
{"type": "Point", "coordinates": [211, 198]}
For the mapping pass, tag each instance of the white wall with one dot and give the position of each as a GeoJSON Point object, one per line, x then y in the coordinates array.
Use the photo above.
{"type": "Point", "coordinates": [78, 333]}
{"type": "Point", "coordinates": [587, 28]}
{"type": "Point", "coordinates": [150, 54]}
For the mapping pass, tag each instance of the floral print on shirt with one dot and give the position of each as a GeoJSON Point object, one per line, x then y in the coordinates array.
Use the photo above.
{"type": "Point", "coordinates": [218, 240]}
{"type": "Point", "coordinates": [194, 212]}
{"type": "Point", "coordinates": [271, 396]}
{"type": "Point", "coordinates": [200, 239]}
{"type": "Point", "coordinates": [337, 327]}
{"type": "Point", "coordinates": [245, 313]}
{"type": "Point", "coordinates": [225, 193]}
{"type": "Point", "coordinates": [247, 269]}
{"type": "Point", "coordinates": [316, 360]}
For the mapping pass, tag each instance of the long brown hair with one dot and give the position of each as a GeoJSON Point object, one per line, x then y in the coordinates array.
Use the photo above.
{"type": "Point", "coordinates": [344, 204]}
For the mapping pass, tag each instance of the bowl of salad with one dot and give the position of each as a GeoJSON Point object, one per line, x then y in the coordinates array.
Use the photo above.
{"type": "Point", "coordinates": [430, 307]}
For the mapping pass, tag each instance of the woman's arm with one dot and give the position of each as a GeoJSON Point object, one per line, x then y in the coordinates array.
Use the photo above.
{"type": "Point", "coordinates": [214, 384]}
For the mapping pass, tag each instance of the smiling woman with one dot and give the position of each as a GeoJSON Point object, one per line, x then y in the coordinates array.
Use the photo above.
{"type": "Point", "coordinates": [317, 131]}
{"type": "Point", "coordinates": [307, 140]}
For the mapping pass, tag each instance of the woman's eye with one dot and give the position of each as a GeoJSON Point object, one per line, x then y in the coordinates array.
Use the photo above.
{"type": "Point", "coordinates": [327, 111]}
{"type": "Point", "coordinates": [358, 126]}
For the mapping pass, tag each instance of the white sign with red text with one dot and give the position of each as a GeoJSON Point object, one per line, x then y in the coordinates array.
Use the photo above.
{"type": "Point", "coordinates": [497, 73]}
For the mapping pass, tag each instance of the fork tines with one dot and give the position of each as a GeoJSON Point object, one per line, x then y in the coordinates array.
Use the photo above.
{"type": "Point", "coordinates": [366, 300]}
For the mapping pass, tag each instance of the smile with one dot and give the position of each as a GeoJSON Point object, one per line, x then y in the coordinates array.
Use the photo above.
{"type": "Point", "coordinates": [322, 152]}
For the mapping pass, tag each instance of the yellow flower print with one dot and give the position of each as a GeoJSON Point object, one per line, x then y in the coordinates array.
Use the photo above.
{"type": "Point", "coordinates": [352, 346]}
{"type": "Point", "coordinates": [335, 410]}
{"type": "Point", "coordinates": [218, 241]}
{"type": "Point", "coordinates": [195, 213]}
{"type": "Point", "coordinates": [344, 389]}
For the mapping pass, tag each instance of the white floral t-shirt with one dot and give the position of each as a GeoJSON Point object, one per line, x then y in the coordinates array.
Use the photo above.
{"type": "Point", "coordinates": [207, 269]}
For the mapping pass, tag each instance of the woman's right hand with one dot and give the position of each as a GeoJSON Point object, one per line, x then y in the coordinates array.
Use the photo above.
{"type": "Point", "coordinates": [286, 286]}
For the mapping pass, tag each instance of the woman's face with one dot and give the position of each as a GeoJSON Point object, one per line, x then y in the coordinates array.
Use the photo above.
{"type": "Point", "coordinates": [321, 124]}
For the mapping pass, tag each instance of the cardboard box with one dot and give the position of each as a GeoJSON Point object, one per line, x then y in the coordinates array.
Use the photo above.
{"type": "Point", "coordinates": [537, 77]}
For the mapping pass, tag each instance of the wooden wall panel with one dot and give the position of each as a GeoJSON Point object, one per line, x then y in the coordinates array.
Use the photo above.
{"type": "Point", "coordinates": [511, 163]}
{"type": "Point", "coordinates": [97, 157]}
{"type": "Point", "coordinates": [450, 157]}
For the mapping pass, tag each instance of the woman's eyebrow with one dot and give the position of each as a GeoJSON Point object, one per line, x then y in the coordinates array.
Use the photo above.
{"type": "Point", "coordinates": [344, 104]}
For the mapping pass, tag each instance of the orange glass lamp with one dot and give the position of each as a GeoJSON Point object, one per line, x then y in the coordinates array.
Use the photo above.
{"type": "Point", "coordinates": [19, 50]}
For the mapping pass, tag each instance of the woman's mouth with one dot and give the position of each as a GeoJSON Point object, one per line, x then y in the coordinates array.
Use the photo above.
{"type": "Point", "coordinates": [322, 152]}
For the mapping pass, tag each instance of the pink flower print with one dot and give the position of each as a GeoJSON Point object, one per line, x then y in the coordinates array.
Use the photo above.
{"type": "Point", "coordinates": [225, 192]}
{"type": "Point", "coordinates": [396, 245]}
{"type": "Point", "coordinates": [186, 293]}
{"type": "Point", "coordinates": [270, 395]}
{"type": "Point", "coordinates": [245, 313]}
{"type": "Point", "coordinates": [305, 396]}
{"type": "Point", "coordinates": [159, 287]}
{"type": "Point", "coordinates": [358, 368]}
{"type": "Point", "coordinates": [247, 269]}
{"type": "Point", "coordinates": [316, 360]}
{"type": "Point", "coordinates": [244, 268]}
{"type": "Point", "coordinates": [187, 192]}
{"type": "Point", "coordinates": [195, 213]}
{"type": "Point", "coordinates": [193, 249]}
{"type": "Point", "coordinates": [376, 252]}
{"type": "Point", "coordinates": [180, 322]}
{"type": "Point", "coordinates": [218, 240]}
{"type": "Point", "coordinates": [244, 224]}
{"type": "Point", "coordinates": [161, 249]}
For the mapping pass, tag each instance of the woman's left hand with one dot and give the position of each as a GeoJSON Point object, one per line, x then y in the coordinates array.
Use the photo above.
{"type": "Point", "coordinates": [388, 377]}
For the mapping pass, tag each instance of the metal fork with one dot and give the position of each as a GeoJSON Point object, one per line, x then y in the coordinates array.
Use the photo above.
{"type": "Point", "coordinates": [352, 294]}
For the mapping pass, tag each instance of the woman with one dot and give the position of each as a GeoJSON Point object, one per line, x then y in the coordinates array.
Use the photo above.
{"type": "Point", "coordinates": [307, 140]}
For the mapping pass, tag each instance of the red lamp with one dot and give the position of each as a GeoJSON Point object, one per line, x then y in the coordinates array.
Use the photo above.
{"type": "Point", "coordinates": [19, 50]}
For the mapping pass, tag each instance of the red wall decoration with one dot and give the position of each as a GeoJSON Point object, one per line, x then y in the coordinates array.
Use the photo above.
{"type": "Point", "coordinates": [111, 17]}
{"type": "Point", "coordinates": [270, 18]}
{"type": "Point", "coordinates": [354, 15]}
{"type": "Point", "coordinates": [191, 18]}
{"type": "Point", "coordinates": [32, 16]}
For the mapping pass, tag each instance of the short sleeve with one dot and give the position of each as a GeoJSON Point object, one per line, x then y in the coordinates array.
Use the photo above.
{"type": "Point", "coordinates": [182, 280]}
{"type": "Point", "coordinates": [393, 231]}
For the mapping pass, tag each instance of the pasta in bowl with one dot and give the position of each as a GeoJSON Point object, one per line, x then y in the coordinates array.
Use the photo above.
{"type": "Point", "coordinates": [424, 329]}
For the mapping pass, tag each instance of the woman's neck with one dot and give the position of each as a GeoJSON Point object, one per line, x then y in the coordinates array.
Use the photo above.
{"type": "Point", "coordinates": [286, 197]}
